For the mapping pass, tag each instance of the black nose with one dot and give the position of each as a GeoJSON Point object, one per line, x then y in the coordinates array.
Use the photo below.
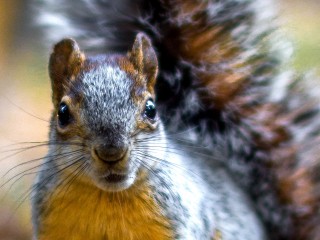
{"type": "Point", "coordinates": [110, 154]}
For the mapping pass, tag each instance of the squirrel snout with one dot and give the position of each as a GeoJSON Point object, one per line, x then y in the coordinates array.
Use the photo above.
{"type": "Point", "coordinates": [109, 153]}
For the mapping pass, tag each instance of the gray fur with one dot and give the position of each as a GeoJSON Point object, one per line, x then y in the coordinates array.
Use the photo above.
{"type": "Point", "coordinates": [200, 197]}
{"type": "Point", "coordinates": [109, 107]}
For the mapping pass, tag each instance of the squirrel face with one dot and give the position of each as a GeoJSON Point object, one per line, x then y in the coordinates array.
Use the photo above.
{"type": "Point", "coordinates": [104, 105]}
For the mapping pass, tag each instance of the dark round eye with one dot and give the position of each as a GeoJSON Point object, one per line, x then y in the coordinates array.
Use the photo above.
{"type": "Point", "coordinates": [150, 109]}
{"type": "Point", "coordinates": [63, 114]}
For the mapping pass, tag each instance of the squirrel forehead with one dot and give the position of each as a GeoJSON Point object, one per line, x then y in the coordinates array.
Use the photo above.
{"type": "Point", "coordinates": [110, 74]}
{"type": "Point", "coordinates": [107, 97]}
{"type": "Point", "coordinates": [107, 80]}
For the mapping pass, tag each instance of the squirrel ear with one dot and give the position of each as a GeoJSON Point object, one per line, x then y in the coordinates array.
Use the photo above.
{"type": "Point", "coordinates": [144, 58]}
{"type": "Point", "coordinates": [64, 65]}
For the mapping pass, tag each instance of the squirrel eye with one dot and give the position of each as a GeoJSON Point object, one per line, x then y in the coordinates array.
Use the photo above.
{"type": "Point", "coordinates": [150, 109]}
{"type": "Point", "coordinates": [63, 114]}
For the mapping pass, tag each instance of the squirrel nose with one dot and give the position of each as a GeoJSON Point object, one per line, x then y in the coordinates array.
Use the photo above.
{"type": "Point", "coordinates": [110, 154]}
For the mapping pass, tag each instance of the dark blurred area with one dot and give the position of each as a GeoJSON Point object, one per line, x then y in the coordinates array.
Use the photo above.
{"type": "Point", "coordinates": [25, 93]}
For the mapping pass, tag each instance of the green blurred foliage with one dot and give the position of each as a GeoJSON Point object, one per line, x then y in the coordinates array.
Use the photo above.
{"type": "Point", "coordinates": [302, 23]}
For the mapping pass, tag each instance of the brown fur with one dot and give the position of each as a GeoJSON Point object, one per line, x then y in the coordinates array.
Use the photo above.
{"type": "Point", "coordinates": [132, 216]}
{"type": "Point", "coordinates": [144, 59]}
{"type": "Point", "coordinates": [205, 46]}
{"type": "Point", "coordinates": [64, 65]}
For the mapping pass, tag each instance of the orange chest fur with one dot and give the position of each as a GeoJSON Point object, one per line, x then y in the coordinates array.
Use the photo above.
{"type": "Point", "coordinates": [93, 214]}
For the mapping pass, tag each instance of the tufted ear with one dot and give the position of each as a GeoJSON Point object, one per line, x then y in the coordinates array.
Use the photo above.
{"type": "Point", "coordinates": [64, 65]}
{"type": "Point", "coordinates": [144, 59]}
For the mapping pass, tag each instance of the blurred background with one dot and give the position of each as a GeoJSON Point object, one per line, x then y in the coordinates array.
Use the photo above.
{"type": "Point", "coordinates": [25, 91]}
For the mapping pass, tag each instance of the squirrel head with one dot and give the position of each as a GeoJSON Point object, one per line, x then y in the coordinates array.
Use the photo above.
{"type": "Point", "coordinates": [103, 105]}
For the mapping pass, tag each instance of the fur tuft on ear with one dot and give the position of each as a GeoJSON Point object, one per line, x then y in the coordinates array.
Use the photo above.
{"type": "Point", "coordinates": [144, 59]}
{"type": "Point", "coordinates": [64, 65]}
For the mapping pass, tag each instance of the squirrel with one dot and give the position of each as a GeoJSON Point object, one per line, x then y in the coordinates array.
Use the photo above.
{"type": "Point", "coordinates": [113, 174]}
{"type": "Point", "coordinates": [222, 82]}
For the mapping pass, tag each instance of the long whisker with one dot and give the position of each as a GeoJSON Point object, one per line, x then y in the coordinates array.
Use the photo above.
{"type": "Point", "coordinates": [27, 173]}
{"type": "Point", "coordinates": [176, 145]}
{"type": "Point", "coordinates": [59, 155]}
{"type": "Point", "coordinates": [158, 160]}
{"type": "Point", "coordinates": [45, 181]}
{"type": "Point", "coordinates": [168, 134]}
{"type": "Point", "coordinates": [179, 151]}
{"type": "Point", "coordinates": [155, 137]}
{"type": "Point", "coordinates": [25, 195]}
{"type": "Point", "coordinates": [151, 170]}
{"type": "Point", "coordinates": [167, 163]}
{"type": "Point", "coordinates": [70, 180]}
{"type": "Point", "coordinates": [39, 144]}
{"type": "Point", "coordinates": [23, 110]}
{"type": "Point", "coordinates": [182, 132]}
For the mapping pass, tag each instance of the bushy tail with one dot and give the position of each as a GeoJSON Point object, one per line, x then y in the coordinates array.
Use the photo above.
{"type": "Point", "coordinates": [222, 73]}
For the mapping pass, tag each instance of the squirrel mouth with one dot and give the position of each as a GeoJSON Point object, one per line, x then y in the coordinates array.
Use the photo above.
{"type": "Point", "coordinates": [115, 178]}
